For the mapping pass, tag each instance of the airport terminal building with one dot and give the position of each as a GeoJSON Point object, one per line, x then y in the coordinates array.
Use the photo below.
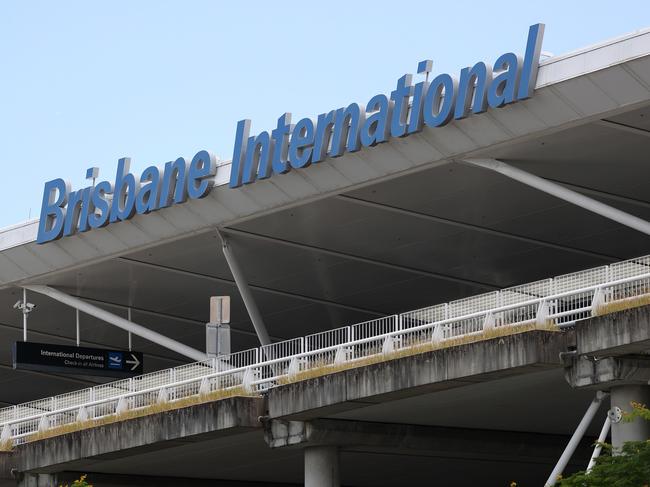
{"type": "Point", "coordinates": [447, 285]}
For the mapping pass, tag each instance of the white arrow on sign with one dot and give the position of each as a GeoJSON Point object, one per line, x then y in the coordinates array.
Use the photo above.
{"type": "Point", "coordinates": [135, 362]}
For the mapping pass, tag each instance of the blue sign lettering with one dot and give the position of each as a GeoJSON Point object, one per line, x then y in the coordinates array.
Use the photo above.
{"type": "Point", "coordinates": [433, 103]}
{"type": "Point", "coordinates": [65, 212]}
{"type": "Point", "coordinates": [406, 111]}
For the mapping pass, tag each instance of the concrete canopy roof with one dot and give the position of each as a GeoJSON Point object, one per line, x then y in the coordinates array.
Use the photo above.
{"type": "Point", "coordinates": [390, 228]}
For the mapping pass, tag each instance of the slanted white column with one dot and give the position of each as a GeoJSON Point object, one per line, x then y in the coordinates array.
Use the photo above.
{"type": "Point", "coordinates": [622, 431]}
{"type": "Point", "coordinates": [322, 466]}
{"type": "Point", "coordinates": [244, 291]}
{"type": "Point", "coordinates": [563, 193]}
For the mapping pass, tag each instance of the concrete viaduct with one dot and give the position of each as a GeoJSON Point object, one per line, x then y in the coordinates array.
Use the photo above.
{"type": "Point", "coordinates": [320, 427]}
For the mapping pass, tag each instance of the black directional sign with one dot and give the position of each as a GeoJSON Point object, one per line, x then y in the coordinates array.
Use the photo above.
{"type": "Point", "coordinates": [48, 357]}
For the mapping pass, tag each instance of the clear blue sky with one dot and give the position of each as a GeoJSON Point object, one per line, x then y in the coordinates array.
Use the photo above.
{"type": "Point", "coordinates": [85, 83]}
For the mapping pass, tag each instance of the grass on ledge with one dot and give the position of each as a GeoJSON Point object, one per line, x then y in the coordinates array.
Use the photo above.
{"type": "Point", "coordinates": [415, 349]}
{"type": "Point", "coordinates": [622, 305]}
{"type": "Point", "coordinates": [136, 413]}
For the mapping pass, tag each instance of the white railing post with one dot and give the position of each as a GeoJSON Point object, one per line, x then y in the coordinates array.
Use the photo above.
{"type": "Point", "coordinates": [339, 357]}
{"type": "Point", "coordinates": [247, 379]}
{"type": "Point", "coordinates": [44, 423]}
{"type": "Point", "coordinates": [204, 388]}
{"type": "Point", "coordinates": [388, 346]}
{"type": "Point", "coordinates": [122, 405]}
{"type": "Point", "coordinates": [294, 367]}
{"type": "Point", "coordinates": [488, 322]}
{"type": "Point", "coordinates": [5, 436]}
{"type": "Point", "coordinates": [82, 414]}
{"type": "Point", "coordinates": [542, 313]}
{"type": "Point", "coordinates": [598, 301]}
{"type": "Point", "coordinates": [438, 333]}
{"type": "Point", "coordinates": [163, 396]}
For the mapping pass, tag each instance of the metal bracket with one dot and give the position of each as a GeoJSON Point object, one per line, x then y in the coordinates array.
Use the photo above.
{"type": "Point", "coordinates": [615, 414]}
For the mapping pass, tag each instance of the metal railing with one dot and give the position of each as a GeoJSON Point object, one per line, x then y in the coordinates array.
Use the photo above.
{"type": "Point", "coordinates": [560, 301]}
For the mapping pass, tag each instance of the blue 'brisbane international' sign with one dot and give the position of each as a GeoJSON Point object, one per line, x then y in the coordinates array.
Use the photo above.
{"type": "Point", "coordinates": [406, 111]}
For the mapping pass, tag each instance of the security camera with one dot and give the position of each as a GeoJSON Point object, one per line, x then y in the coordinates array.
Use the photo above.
{"type": "Point", "coordinates": [26, 307]}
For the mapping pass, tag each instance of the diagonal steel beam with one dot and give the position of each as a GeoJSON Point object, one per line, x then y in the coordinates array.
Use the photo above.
{"type": "Point", "coordinates": [118, 321]}
{"type": "Point", "coordinates": [477, 228]}
{"type": "Point", "coordinates": [358, 258]}
{"type": "Point", "coordinates": [256, 287]}
{"type": "Point", "coordinates": [563, 193]}
{"type": "Point", "coordinates": [603, 194]}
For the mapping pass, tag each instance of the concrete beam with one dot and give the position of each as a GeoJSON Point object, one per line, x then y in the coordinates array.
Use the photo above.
{"type": "Point", "coordinates": [418, 374]}
{"type": "Point", "coordinates": [607, 372]}
{"type": "Point", "coordinates": [619, 333]}
{"type": "Point", "coordinates": [443, 442]}
{"type": "Point", "coordinates": [6, 462]}
{"type": "Point", "coordinates": [73, 451]}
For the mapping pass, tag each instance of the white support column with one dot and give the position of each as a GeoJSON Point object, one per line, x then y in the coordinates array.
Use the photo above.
{"type": "Point", "coordinates": [563, 193]}
{"type": "Point", "coordinates": [601, 439]}
{"type": "Point", "coordinates": [575, 439]}
{"type": "Point", "coordinates": [322, 466]}
{"type": "Point", "coordinates": [244, 291]}
{"type": "Point", "coordinates": [622, 431]}
{"type": "Point", "coordinates": [118, 321]}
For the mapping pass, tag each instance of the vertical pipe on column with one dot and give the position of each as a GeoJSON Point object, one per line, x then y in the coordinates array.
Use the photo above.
{"type": "Point", "coordinates": [24, 314]}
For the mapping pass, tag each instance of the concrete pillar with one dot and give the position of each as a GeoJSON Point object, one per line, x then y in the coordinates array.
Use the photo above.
{"type": "Point", "coordinates": [322, 466]}
{"type": "Point", "coordinates": [37, 480]}
{"type": "Point", "coordinates": [637, 430]}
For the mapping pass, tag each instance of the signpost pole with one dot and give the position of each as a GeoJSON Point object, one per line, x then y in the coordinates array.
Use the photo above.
{"type": "Point", "coordinates": [217, 331]}
{"type": "Point", "coordinates": [128, 311]}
